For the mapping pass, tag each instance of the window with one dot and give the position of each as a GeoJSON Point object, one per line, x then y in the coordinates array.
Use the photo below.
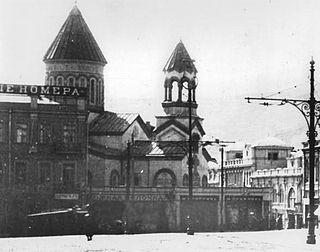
{"type": "Point", "coordinates": [239, 155]}
{"type": "Point", "coordinates": [273, 155]}
{"type": "Point", "coordinates": [21, 133]}
{"type": "Point", "coordinates": [71, 82]}
{"type": "Point", "coordinates": [20, 173]}
{"type": "Point", "coordinates": [164, 178]}
{"type": "Point", "coordinates": [204, 181]}
{"type": "Point", "coordinates": [137, 179]}
{"type": "Point", "coordinates": [68, 175]}
{"type": "Point", "coordinates": [291, 198]}
{"type": "Point", "coordinates": [44, 133]}
{"type": "Point", "coordinates": [2, 132]}
{"type": "Point", "coordinates": [185, 180]}
{"type": "Point", "coordinates": [69, 134]}
{"type": "Point", "coordinates": [83, 82]}
{"type": "Point", "coordinates": [114, 178]}
{"type": "Point", "coordinates": [50, 81]}
{"type": "Point", "coordinates": [44, 172]}
{"type": "Point", "coordinates": [92, 90]}
{"type": "Point", "coordinates": [196, 179]}
{"type": "Point", "coordinates": [60, 81]}
{"type": "Point", "coordinates": [281, 195]}
{"type": "Point", "coordinates": [100, 95]}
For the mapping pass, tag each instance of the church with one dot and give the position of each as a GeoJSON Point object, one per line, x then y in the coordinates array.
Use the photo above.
{"type": "Point", "coordinates": [71, 150]}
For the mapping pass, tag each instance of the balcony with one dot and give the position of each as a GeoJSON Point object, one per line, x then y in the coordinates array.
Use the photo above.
{"type": "Point", "coordinates": [238, 162]}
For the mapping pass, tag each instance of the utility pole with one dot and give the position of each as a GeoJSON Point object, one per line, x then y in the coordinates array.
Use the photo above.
{"type": "Point", "coordinates": [190, 159]}
{"type": "Point", "coordinates": [310, 109]}
{"type": "Point", "coordinates": [221, 144]}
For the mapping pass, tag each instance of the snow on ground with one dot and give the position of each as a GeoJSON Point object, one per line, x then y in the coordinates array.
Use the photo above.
{"type": "Point", "coordinates": [277, 241]}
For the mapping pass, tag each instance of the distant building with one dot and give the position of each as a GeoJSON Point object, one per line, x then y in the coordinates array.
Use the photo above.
{"type": "Point", "coordinates": [243, 159]}
{"type": "Point", "coordinates": [287, 186]}
{"type": "Point", "coordinates": [269, 163]}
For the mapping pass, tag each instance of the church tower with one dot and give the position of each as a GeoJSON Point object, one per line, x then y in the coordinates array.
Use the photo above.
{"type": "Point", "coordinates": [179, 97]}
{"type": "Point", "coordinates": [75, 59]}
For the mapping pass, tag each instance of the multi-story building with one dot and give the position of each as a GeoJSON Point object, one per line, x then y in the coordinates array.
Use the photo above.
{"type": "Point", "coordinates": [269, 163]}
{"type": "Point", "coordinates": [44, 139]}
{"type": "Point", "coordinates": [243, 159]}
{"type": "Point", "coordinates": [287, 191]}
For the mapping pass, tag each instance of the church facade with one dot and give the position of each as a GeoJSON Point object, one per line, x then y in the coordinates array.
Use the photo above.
{"type": "Point", "coordinates": [73, 152]}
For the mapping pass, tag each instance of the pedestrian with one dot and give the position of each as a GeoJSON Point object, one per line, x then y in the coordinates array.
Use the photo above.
{"type": "Point", "coordinates": [279, 222]}
{"type": "Point", "coordinates": [89, 227]}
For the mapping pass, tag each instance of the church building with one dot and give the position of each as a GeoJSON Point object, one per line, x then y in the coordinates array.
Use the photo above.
{"type": "Point", "coordinates": [58, 151]}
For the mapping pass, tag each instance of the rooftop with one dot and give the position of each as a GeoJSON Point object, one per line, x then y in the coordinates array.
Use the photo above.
{"type": "Point", "coordinates": [75, 41]}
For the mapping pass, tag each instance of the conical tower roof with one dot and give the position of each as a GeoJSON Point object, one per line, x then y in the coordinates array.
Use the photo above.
{"type": "Point", "coordinates": [180, 61]}
{"type": "Point", "coordinates": [75, 41]}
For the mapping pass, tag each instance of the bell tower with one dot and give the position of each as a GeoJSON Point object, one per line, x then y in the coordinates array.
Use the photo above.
{"type": "Point", "coordinates": [179, 105]}
{"type": "Point", "coordinates": [180, 79]}
{"type": "Point", "coordinates": [75, 59]}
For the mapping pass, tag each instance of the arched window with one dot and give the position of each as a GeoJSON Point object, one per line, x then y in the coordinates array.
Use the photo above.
{"type": "Point", "coordinates": [71, 81]}
{"type": "Point", "coordinates": [204, 181]}
{"type": "Point", "coordinates": [174, 91]}
{"type": "Point", "coordinates": [83, 82]}
{"type": "Point", "coordinates": [164, 178]}
{"type": "Point", "coordinates": [114, 178]}
{"type": "Point", "coordinates": [60, 81]}
{"type": "Point", "coordinates": [137, 179]}
{"type": "Point", "coordinates": [100, 90]}
{"type": "Point", "coordinates": [281, 195]}
{"type": "Point", "coordinates": [185, 180]}
{"type": "Point", "coordinates": [196, 179]}
{"type": "Point", "coordinates": [92, 90]}
{"type": "Point", "coordinates": [185, 91]}
{"type": "Point", "coordinates": [291, 198]}
{"type": "Point", "coordinates": [51, 81]}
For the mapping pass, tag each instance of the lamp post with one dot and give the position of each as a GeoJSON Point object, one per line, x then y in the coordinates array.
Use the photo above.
{"type": "Point", "coordinates": [310, 109]}
{"type": "Point", "coordinates": [222, 144]}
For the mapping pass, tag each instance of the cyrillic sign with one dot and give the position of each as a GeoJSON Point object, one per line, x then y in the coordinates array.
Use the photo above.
{"type": "Point", "coordinates": [243, 198]}
{"type": "Point", "coordinates": [66, 196]}
{"type": "Point", "coordinates": [199, 198]}
{"type": "Point", "coordinates": [134, 197]}
{"type": "Point", "coordinates": [43, 90]}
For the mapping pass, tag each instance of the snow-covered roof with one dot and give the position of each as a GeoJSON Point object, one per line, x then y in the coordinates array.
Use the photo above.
{"type": "Point", "coordinates": [24, 99]}
{"type": "Point", "coordinates": [237, 146]}
{"type": "Point", "coordinates": [270, 141]}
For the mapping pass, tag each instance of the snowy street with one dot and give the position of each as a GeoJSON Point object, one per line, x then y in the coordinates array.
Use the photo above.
{"type": "Point", "coordinates": [280, 241]}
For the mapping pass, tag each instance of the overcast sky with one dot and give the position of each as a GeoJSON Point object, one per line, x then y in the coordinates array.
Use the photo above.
{"type": "Point", "coordinates": [241, 48]}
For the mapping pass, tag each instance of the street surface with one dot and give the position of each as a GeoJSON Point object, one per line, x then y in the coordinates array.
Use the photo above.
{"type": "Point", "coordinates": [279, 241]}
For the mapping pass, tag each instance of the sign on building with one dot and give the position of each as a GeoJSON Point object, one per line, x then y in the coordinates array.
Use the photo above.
{"type": "Point", "coordinates": [43, 90]}
{"type": "Point", "coordinates": [66, 196]}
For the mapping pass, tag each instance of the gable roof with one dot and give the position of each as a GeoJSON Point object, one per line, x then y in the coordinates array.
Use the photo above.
{"type": "Point", "coordinates": [160, 149]}
{"type": "Point", "coordinates": [110, 123]}
{"type": "Point", "coordinates": [180, 60]}
{"type": "Point", "coordinates": [75, 41]}
{"type": "Point", "coordinates": [180, 126]}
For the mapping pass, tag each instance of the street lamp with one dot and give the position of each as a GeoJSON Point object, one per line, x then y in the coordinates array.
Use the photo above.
{"type": "Point", "coordinates": [310, 109]}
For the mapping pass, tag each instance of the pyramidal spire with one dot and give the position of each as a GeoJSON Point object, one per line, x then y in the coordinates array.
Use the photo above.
{"type": "Point", "coordinates": [180, 61]}
{"type": "Point", "coordinates": [75, 41]}
{"type": "Point", "coordinates": [75, 10]}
